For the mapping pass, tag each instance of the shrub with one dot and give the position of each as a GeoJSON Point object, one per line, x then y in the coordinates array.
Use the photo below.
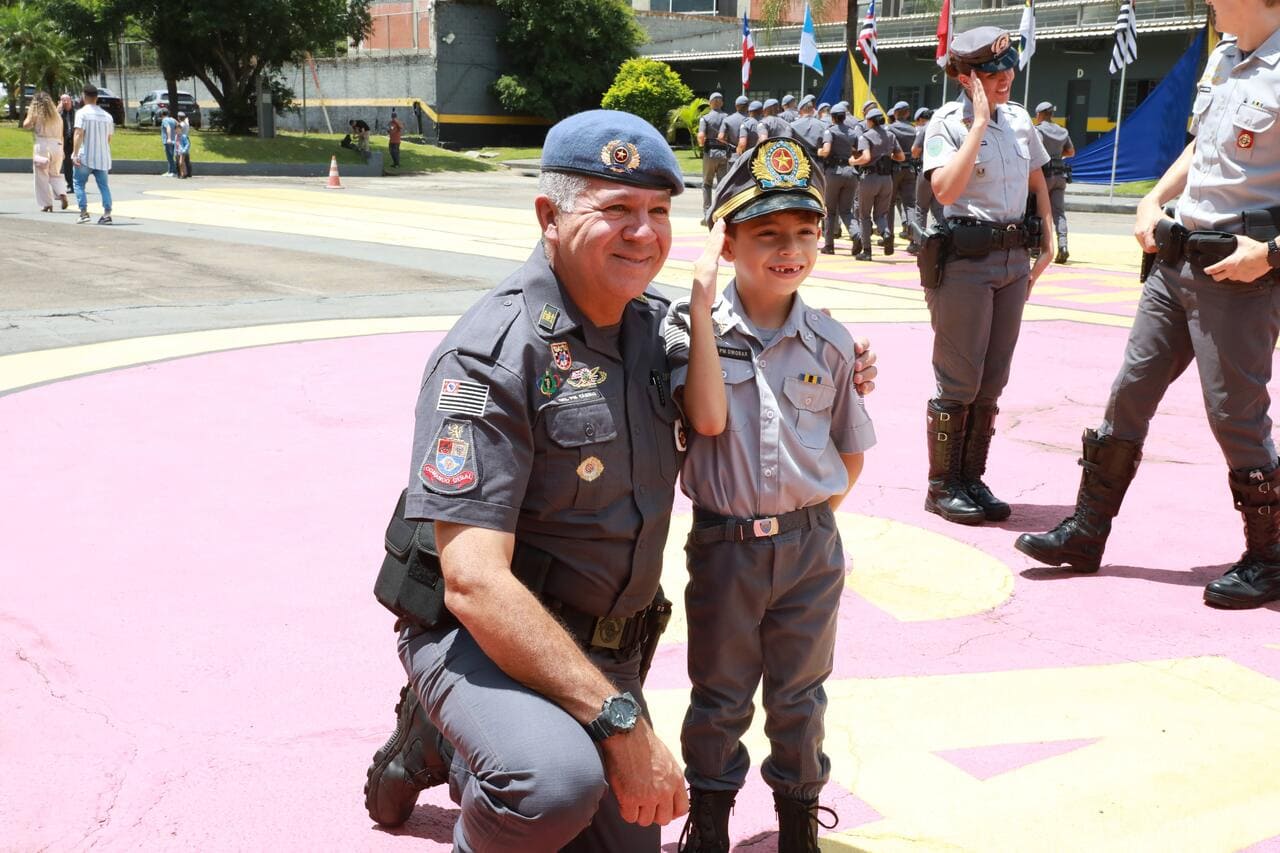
{"type": "Point", "coordinates": [648, 88]}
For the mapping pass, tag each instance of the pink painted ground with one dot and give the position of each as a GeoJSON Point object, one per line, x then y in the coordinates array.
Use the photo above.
{"type": "Point", "coordinates": [190, 655]}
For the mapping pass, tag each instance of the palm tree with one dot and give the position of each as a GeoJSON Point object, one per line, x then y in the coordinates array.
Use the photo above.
{"type": "Point", "coordinates": [34, 50]}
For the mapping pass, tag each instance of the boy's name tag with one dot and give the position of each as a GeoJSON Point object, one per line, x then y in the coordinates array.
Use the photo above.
{"type": "Point", "coordinates": [740, 353]}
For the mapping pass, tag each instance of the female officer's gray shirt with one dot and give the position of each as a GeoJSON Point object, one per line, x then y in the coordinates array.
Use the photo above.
{"type": "Point", "coordinates": [1236, 163]}
{"type": "Point", "coordinates": [783, 438]}
{"type": "Point", "coordinates": [880, 141]}
{"type": "Point", "coordinates": [1011, 148]}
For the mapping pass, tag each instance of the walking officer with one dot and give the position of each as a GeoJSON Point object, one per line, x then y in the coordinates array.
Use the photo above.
{"type": "Point", "coordinates": [1212, 295]}
{"type": "Point", "coordinates": [773, 125]}
{"type": "Point", "coordinates": [925, 202]}
{"type": "Point", "coordinates": [878, 154]}
{"type": "Point", "coordinates": [824, 113]}
{"type": "Point", "coordinates": [808, 127]}
{"type": "Point", "coordinates": [731, 127]}
{"type": "Point", "coordinates": [904, 175]}
{"type": "Point", "coordinates": [546, 450]}
{"type": "Point", "coordinates": [789, 113]}
{"type": "Point", "coordinates": [1056, 172]}
{"type": "Point", "coordinates": [839, 141]}
{"type": "Point", "coordinates": [715, 157]}
{"type": "Point", "coordinates": [982, 155]}
{"type": "Point", "coordinates": [749, 133]}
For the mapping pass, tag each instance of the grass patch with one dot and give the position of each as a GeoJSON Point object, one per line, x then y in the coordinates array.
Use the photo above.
{"type": "Point", "coordinates": [214, 147]}
{"type": "Point", "coordinates": [1136, 189]}
{"type": "Point", "coordinates": [689, 164]}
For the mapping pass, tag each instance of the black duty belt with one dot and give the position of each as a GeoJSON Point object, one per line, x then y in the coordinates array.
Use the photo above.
{"type": "Point", "coordinates": [994, 235]}
{"type": "Point", "coordinates": [710, 527]}
{"type": "Point", "coordinates": [882, 166]}
{"type": "Point", "coordinates": [1201, 249]}
{"type": "Point", "coordinates": [621, 634]}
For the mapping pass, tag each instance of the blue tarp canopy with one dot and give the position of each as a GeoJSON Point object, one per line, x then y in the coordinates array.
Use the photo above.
{"type": "Point", "coordinates": [1153, 135]}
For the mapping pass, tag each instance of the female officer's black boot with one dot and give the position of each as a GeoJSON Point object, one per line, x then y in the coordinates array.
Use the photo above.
{"type": "Point", "coordinates": [947, 495]}
{"type": "Point", "coordinates": [1255, 580]}
{"type": "Point", "coordinates": [1109, 465]}
{"type": "Point", "coordinates": [707, 828]}
{"type": "Point", "coordinates": [977, 443]}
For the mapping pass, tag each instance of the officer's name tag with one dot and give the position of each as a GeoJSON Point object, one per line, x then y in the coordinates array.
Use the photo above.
{"type": "Point", "coordinates": [740, 353]}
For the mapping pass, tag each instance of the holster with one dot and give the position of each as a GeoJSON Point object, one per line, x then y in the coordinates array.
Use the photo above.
{"type": "Point", "coordinates": [1261, 225]}
{"type": "Point", "coordinates": [656, 619]}
{"type": "Point", "coordinates": [933, 254]}
{"type": "Point", "coordinates": [1034, 223]}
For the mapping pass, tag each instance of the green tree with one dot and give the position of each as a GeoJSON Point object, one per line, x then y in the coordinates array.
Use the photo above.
{"type": "Point", "coordinates": [688, 116]}
{"type": "Point", "coordinates": [33, 50]}
{"type": "Point", "coordinates": [648, 88]}
{"type": "Point", "coordinates": [563, 53]}
{"type": "Point", "coordinates": [232, 46]}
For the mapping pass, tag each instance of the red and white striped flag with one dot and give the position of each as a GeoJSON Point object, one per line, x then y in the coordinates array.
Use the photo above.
{"type": "Point", "coordinates": [944, 34]}
{"type": "Point", "coordinates": [867, 39]}
{"type": "Point", "coordinates": [748, 52]}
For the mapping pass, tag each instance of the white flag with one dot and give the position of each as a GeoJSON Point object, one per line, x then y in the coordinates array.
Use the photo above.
{"type": "Point", "coordinates": [1027, 33]}
{"type": "Point", "coordinates": [1126, 46]}
{"type": "Point", "coordinates": [809, 43]}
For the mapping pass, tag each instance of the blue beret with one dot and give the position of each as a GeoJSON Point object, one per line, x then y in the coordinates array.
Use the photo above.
{"type": "Point", "coordinates": [841, 107]}
{"type": "Point", "coordinates": [824, 106]}
{"type": "Point", "coordinates": [715, 95]}
{"type": "Point", "coordinates": [901, 105]}
{"type": "Point", "coordinates": [874, 112]}
{"type": "Point", "coordinates": [613, 146]}
{"type": "Point", "coordinates": [806, 100]}
{"type": "Point", "coordinates": [788, 99]}
{"type": "Point", "coordinates": [740, 101]}
{"type": "Point", "coordinates": [755, 105]}
{"type": "Point", "coordinates": [772, 102]}
{"type": "Point", "coordinates": [1044, 106]}
{"type": "Point", "coordinates": [923, 112]}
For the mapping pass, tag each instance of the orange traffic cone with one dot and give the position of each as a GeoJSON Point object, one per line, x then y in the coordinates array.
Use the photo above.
{"type": "Point", "coordinates": [334, 183]}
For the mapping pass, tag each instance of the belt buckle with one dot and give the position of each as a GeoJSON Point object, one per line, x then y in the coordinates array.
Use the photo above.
{"type": "Point", "coordinates": [1012, 226]}
{"type": "Point", "coordinates": [608, 632]}
{"type": "Point", "coordinates": [765, 526]}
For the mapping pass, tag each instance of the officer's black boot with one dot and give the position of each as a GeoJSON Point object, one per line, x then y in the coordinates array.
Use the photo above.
{"type": "Point", "coordinates": [1061, 257]}
{"type": "Point", "coordinates": [415, 757]}
{"type": "Point", "coordinates": [977, 442]}
{"type": "Point", "coordinates": [707, 828]}
{"type": "Point", "coordinates": [1109, 465]}
{"type": "Point", "coordinates": [798, 824]}
{"type": "Point", "coordinates": [856, 248]}
{"type": "Point", "coordinates": [1255, 580]}
{"type": "Point", "coordinates": [947, 494]}
{"type": "Point", "coordinates": [886, 242]}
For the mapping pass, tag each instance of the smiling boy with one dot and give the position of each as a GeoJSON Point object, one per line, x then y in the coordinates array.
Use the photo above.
{"type": "Point", "coordinates": [778, 435]}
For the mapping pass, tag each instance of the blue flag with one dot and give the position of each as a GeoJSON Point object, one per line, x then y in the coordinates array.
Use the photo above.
{"type": "Point", "coordinates": [809, 43]}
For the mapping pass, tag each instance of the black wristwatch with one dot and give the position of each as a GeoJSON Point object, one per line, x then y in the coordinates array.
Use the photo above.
{"type": "Point", "coordinates": [618, 714]}
{"type": "Point", "coordinates": [1273, 254]}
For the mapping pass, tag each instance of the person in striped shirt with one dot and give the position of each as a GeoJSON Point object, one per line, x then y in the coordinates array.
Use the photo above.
{"type": "Point", "coordinates": [92, 147]}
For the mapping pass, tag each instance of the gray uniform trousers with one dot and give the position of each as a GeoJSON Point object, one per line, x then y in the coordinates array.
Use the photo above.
{"type": "Point", "coordinates": [762, 608]}
{"type": "Point", "coordinates": [976, 313]}
{"type": "Point", "coordinates": [875, 201]}
{"type": "Point", "coordinates": [904, 194]}
{"type": "Point", "coordinates": [926, 203]}
{"type": "Point", "coordinates": [1230, 330]}
{"type": "Point", "coordinates": [714, 165]}
{"type": "Point", "coordinates": [1058, 203]}
{"type": "Point", "coordinates": [525, 773]}
{"type": "Point", "coordinates": [839, 196]}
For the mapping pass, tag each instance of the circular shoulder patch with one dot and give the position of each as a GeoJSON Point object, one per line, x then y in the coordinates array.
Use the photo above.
{"type": "Point", "coordinates": [934, 146]}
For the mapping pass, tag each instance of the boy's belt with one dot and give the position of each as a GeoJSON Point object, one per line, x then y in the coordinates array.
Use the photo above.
{"type": "Point", "coordinates": [710, 527]}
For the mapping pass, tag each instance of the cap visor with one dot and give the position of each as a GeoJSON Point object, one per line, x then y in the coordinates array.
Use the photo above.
{"type": "Point", "coordinates": [1003, 62]}
{"type": "Point", "coordinates": [775, 202]}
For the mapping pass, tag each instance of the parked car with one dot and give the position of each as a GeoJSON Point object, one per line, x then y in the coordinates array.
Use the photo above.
{"type": "Point", "coordinates": [109, 102]}
{"type": "Point", "coordinates": [148, 112]}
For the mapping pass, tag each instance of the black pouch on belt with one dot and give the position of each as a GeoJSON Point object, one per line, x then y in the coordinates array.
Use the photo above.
{"type": "Point", "coordinates": [1171, 240]}
{"type": "Point", "coordinates": [972, 241]}
{"type": "Point", "coordinates": [932, 256]}
{"type": "Point", "coordinates": [1206, 248]}
{"type": "Point", "coordinates": [655, 623]}
{"type": "Point", "coordinates": [410, 583]}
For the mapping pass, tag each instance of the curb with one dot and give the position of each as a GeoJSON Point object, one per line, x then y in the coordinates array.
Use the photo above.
{"type": "Point", "coordinates": [371, 169]}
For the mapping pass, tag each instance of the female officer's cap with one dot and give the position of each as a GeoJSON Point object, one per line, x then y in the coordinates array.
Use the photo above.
{"type": "Point", "coordinates": [986, 49]}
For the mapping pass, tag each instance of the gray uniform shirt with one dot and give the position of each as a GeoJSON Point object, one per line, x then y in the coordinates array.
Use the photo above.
{"type": "Point", "coordinates": [810, 129]}
{"type": "Point", "coordinates": [789, 116]}
{"type": "Point", "coordinates": [782, 442]}
{"type": "Point", "coordinates": [905, 132]}
{"type": "Point", "coordinates": [775, 126]}
{"type": "Point", "coordinates": [1011, 148]}
{"type": "Point", "coordinates": [750, 131]}
{"type": "Point", "coordinates": [533, 421]}
{"type": "Point", "coordinates": [732, 127]}
{"type": "Point", "coordinates": [1236, 162]}
{"type": "Point", "coordinates": [844, 141]}
{"type": "Point", "coordinates": [1054, 138]}
{"type": "Point", "coordinates": [710, 125]}
{"type": "Point", "coordinates": [880, 142]}
{"type": "Point", "coordinates": [918, 142]}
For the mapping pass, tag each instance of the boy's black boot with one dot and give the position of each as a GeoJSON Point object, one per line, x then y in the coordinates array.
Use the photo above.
{"type": "Point", "coordinates": [798, 824]}
{"type": "Point", "coordinates": [706, 830]}
{"type": "Point", "coordinates": [1109, 465]}
{"type": "Point", "coordinates": [415, 757]}
{"type": "Point", "coordinates": [947, 495]}
{"type": "Point", "coordinates": [1255, 580]}
{"type": "Point", "coordinates": [977, 444]}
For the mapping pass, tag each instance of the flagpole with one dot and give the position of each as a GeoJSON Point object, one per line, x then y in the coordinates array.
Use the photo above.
{"type": "Point", "coordinates": [1115, 152]}
{"type": "Point", "coordinates": [802, 79]}
{"type": "Point", "coordinates": [1026, 88]}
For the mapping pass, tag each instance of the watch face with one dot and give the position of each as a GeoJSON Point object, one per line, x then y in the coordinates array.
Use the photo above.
{"type": "Point", "coordinates": [622, 712]}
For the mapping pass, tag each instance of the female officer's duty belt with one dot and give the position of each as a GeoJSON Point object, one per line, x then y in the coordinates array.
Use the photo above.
{"type": "Point", "coordinates": [972, 238]}
{"type": "Point", "coordinates": [710, 527]}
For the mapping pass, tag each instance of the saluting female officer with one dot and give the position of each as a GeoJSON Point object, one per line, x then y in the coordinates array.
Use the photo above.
{"type": "Point", "coordinates": [982, 155]}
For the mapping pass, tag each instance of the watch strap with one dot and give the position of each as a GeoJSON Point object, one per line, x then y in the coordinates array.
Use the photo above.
{"type": "Point", "coordinates": [1273, 254]}
{"type": "Point", "coordinates": [599, 729]}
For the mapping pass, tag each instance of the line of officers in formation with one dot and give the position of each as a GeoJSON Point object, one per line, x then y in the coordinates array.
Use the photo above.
{"type": "Point", "coordinates": [873, 166]}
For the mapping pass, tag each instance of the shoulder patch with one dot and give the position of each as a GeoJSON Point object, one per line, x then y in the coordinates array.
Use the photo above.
{"type": "Point", "coordinates": [935, 146]}
{"type": "Point", "coordinates": [463, 397]}
{"type": "Point", "coordinates": [451, 466]}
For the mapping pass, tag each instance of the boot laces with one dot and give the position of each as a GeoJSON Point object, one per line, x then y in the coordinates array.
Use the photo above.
{"type": "Point", "coordinates": [702, 824]}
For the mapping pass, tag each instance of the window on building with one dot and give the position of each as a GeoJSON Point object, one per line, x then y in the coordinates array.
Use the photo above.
{"type": "Point", "coordinates": [1135, 92]}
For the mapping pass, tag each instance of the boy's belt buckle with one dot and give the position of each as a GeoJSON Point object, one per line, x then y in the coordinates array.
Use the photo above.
{"type": "Point", "coordinates": [765, 526]}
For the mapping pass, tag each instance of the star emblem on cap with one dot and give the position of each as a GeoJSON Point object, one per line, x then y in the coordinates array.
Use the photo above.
{"type": "Point", "coordinates": [620, 157]}
{"type": "Point", "coordinates": [780, 165]}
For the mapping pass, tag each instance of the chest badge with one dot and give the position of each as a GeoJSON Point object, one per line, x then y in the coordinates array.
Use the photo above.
{"type": "Point", "coordinates": [981, 171]}
{"type": "Point", "coordinates": [590, 469]}
{"type": "Point", "coordinates": [682, 437]}
{"type": "Point", "coordinates": [1244, 140]}
{"type": "Point", "coordinates": [561, 357]}
{"type": "Point", "coordinates": [587, 377]}
{"type": "Point", "coordinates": [547, 319]}
{"type": "Point", "coordinates": [549, 384]}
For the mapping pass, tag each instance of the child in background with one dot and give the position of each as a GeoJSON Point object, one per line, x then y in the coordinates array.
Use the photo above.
{"type": "Point", "coordinates": [183, 148]}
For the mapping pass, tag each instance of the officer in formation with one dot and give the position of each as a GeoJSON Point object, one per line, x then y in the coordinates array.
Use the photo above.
{"type": "Point", "coordinates": [1213, 295]}
{"type": "Point", "coordinates": [878, 155]}
{"type": "Point", "coordinates": [808, 126]}
{"type": "Point", "coordinates": [749, 133]}
{"type": "Point", "coordinates": [731, 127]}
{"type": "Point", "coordinates": [824, 113]}
{"type": "Point", "coordinates": [839, 141]}
{"type": "Point", "coordinates": [904, 176]}
{"type": "Point", "coordinates": [715, 157]}
{"type": "Point", "coordinates": [773, 125]}
{"type": "Point", "coordinates": [789, 113]}
{"type": "Point", "coordinates": [1058, 143]}
{"type": "Point", "coordinates": [925, 202]}
{"type": "Point", "coordinates": [982, 155]}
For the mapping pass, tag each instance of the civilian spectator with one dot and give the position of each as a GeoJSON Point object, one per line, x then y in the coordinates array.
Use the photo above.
{"type": "Point", "coordinates": [92, 146]}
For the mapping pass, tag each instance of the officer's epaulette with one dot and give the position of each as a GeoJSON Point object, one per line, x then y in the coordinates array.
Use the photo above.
{"type": "Point", "coordinates": [488, 327]}
{"type": "Point", "coordinates": [831, 329]}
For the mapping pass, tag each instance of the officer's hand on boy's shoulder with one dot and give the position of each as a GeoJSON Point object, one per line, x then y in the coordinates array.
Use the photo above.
{"type": "Point", "coordinates": [864, 367]}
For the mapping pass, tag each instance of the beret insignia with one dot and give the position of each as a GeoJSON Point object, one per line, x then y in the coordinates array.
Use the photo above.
{"type": "Point", "coordinates": [620, 157]}
{"type": "Point", "coordinates": [781, 165]}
